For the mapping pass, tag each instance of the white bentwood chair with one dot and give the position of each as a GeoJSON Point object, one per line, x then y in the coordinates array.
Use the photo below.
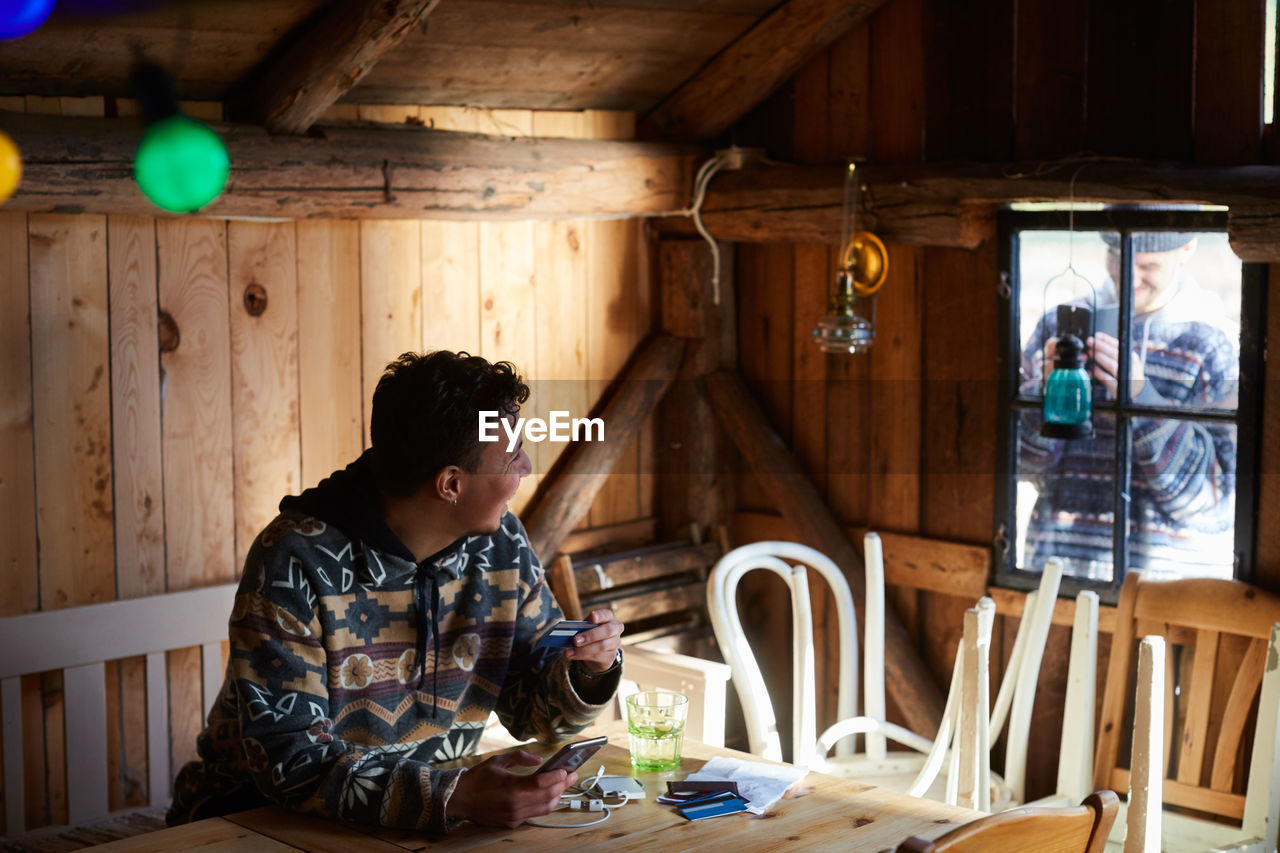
{"type": "Point", "coordinates": [963, 722]}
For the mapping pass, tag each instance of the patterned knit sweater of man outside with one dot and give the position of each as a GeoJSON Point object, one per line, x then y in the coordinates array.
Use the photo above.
{"type": "Point", "coordinates": [353, 669]}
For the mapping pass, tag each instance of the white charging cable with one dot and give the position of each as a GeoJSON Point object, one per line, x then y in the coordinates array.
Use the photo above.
{"type": "Point", "coordinates": [582, 797]}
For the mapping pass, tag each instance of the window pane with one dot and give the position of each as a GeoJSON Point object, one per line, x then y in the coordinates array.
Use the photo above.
{"type": "Point", "coordinates": [1186, 320]}
{"type": "Point", "coordinates": [1066, 496]}
{"type": "Point", "coordinates": [1057, 268]}
{"type": "Point", "coordinates": [1182, 514]}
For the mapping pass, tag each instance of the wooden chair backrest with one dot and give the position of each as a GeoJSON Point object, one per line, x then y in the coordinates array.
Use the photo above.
{"type": "Point", "coordinates": [1078, 829]}
{"type": "Point", "coordinates": [78, 641]}
{"type": "Point", "coordinates": [1216, 636]}
{"type": "Point", "coordinates": [656, 591]}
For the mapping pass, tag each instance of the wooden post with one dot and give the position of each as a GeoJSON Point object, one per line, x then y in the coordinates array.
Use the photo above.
{"type": "Point", "coordinates": [910, 683]}
{"type": "Point", "coordinates": [565, 494]}
{"type": "Point", "coordinates": [693, 451]}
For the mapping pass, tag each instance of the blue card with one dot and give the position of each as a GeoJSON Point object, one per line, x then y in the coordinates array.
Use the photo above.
{"type": "Point", "coordinates": [716, 808]}
{"type": "Point", "coordinates": [560, 635]}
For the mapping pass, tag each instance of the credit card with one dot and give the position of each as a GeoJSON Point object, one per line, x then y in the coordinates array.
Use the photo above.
{"type": "Point", "coordinates": [713, 809]}
{"type": "Point", "coordinates": [560, 635]}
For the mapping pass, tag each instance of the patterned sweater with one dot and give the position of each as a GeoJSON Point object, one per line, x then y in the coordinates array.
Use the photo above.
{"type": "Point", "coordinates": [337, 701]}
{"type": "Point", "coordinates": [1183, 472]}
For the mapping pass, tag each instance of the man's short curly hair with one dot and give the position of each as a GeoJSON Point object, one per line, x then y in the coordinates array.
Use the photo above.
{"type": "Point", "coordinates": [426, 414]}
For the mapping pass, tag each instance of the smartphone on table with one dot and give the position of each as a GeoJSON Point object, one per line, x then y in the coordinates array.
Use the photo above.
{"type": "Point", "coordinates": [573, 755]}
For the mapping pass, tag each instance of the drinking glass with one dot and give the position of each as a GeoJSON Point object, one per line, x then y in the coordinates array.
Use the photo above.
{"type": "Point", "coordinates": [655, 723]}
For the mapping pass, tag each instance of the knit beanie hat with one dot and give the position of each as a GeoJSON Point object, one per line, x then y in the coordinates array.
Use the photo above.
{"type": "Point", "coordinates": [1152, 241]}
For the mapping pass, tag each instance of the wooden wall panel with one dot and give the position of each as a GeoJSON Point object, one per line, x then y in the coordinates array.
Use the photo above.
{"type": "Point", "coordinates": [969, 74]}
{"type": "Point", "coordinates": [71, 386]}
{"type": "Point", "coordinates": [264, 371]}
{"type": "Point", "coordinates": [1049, 89]}
{"type": "Point", "coordinates": [135, 406]}
{"type": "Point", "coordinates": [1229, 36]}
{"type": "Point", "coordinates": [1140, 78]}
{"type": "Point", "coordinates": [451, 286]}
{"type": "Point", "coordinates": [329, 380]}
{"type": "Point", "coordinates": [198, 474]}
{"type": "Point", "coordinates": [20, 592]}
{"type": "Point", "coordinates": [391, 313]}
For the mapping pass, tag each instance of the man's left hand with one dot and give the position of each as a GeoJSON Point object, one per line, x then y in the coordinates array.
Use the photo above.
{"type": "Point", "coordinates": [598, 647]}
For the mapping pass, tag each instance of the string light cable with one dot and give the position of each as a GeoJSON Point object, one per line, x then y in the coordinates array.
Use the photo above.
{"type": "Point", "coordinates": [589, 796]}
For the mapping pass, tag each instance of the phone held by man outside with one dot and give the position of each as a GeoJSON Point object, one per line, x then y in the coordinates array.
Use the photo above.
{"type": "Point", "coordinates": [1084, 323]}
{"type": "Point", "coordinates": [573, 755]}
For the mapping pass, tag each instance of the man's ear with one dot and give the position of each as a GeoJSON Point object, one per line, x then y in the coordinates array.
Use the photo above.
{"type": "Point", "coordinates": [448, 484]}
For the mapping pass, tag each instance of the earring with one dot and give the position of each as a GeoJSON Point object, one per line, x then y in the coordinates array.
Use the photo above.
{"type": "Point", "coordinates": [455, 501]}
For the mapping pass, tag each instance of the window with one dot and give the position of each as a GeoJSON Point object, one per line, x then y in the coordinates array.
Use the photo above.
{"type": "Point", "coordinates": [1166, 482]}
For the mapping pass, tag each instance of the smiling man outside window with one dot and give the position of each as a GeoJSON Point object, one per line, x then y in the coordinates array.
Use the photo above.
{"type": "Point", "coordinates": [384, 614]}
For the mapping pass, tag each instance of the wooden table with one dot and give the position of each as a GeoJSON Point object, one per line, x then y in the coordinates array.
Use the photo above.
{"type": "Point", "coordinates": [819, 813]}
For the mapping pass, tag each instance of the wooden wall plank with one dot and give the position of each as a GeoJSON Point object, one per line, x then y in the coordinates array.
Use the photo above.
{"type": "Point", "coordinates": [390, 299]}
{"type": "Point", "coordinates": [614, 276]}
{"type": "Point", "coordinates": [264, 371]}
{"type": "Point", "coordinates": [451, 261]}
{"type": "Point", "coordinates": [20, 592]}
{"type": "Point", "coordinates": [55, 752]}
{"type": "Point", "coordinates": [133, 734]}
{"type": "Point", "coordinates": [139, 476]}
{"type": "Point", "coordinates": [198, 475]}
{"type": "Point", "coordinates": [329, 389]}
{"type": "Point", "coordinates": [1049, 89]}
{"type": "Point", "coordinates": [35, 789]}
{"type": "Point", "coordinates": [561, 274]}
{"type": "Point", "coordinates": [1229, 40]}
{"type": "Point", "coordinates": [849, 89]}
{"type": "Point", "coordinates": [71, 387]}
{"type": "Point", "coordinates": [1140, 82]}
{"type": "Point", "coordinates": [135, 409]}
{"type": "Point", "coordinates": [508, 290]}
{"type": "Point", "coordinates": [451, 286]}
{"type": "Point", "coordinates": [969, 72]}
{"type": "Point", "coordinates": [185, 718]}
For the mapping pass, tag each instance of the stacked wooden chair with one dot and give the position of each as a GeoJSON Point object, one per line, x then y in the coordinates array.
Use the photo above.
{"type": "Point", "coordinates": [1210, 664]}
{"type": "Point", "coordinates": [966, 723]}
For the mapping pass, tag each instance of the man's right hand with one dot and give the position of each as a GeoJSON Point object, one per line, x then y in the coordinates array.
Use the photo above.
{"type": "Point", "coordinates": [491, 794]}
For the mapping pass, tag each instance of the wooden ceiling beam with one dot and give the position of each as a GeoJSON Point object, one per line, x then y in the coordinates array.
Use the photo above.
{"type": "Point", "coordinates": [85, 165]}
{"type": "Point", "coordinates": [749, 70]}
{"type": "Point", "coordinates": [326, 61]}
{"type": "Point", "coordinates": [954, 204]}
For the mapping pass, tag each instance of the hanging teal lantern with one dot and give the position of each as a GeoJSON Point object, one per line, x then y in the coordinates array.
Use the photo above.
{"type": "Point", "coordinates": [181, 164]}
{"type": "Point", "coordinates": [1068, 395]}
{"type": "Point", "coordinates": [19, 17]}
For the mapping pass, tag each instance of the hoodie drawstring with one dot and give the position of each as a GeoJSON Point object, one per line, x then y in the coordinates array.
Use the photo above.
{"type": "Point", "coordinates": [428, 623]}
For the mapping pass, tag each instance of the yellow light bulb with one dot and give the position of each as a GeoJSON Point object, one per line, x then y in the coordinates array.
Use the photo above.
{"type": "Point", "coordinates": [10, 167]}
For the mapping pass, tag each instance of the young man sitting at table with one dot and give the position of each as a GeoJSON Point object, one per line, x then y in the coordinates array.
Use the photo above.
{"type": "Point", "coordinates": [384, 614]}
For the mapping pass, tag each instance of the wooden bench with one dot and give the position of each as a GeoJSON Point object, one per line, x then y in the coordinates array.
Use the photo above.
{"type": "Point", "coordinates": [79, 641]}
{"type": "Point", "coordinates": [659, 591]}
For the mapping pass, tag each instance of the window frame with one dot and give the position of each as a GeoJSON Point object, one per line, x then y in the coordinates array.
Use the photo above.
{"type": "Point", "coordinates": [1247, 417]}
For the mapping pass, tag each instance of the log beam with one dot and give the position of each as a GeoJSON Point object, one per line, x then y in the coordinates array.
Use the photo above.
{"type": "Point", "coordinates": [326, 61]}
{"type": "Point", "coordinates": [954, 204]}
{"type": "Point", "coordinates": [565, 495]}
{"type": "Point", "coordinates": [749, 70]}
{"type": "Point", "coordinates": [908, 680]}
{"type": "Point", "coordinates": [85, 165]}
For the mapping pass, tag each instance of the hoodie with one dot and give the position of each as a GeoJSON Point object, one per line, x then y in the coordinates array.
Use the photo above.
{"type": "Point", "coordinates": [354, 669]}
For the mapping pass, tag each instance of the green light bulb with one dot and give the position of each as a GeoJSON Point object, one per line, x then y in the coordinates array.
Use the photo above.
{"type": "Point", "coordinates": [181, 164]}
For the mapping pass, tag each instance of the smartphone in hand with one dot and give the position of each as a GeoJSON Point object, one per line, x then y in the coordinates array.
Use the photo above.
{"type": "Point", "coordinates": [573, 755]}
